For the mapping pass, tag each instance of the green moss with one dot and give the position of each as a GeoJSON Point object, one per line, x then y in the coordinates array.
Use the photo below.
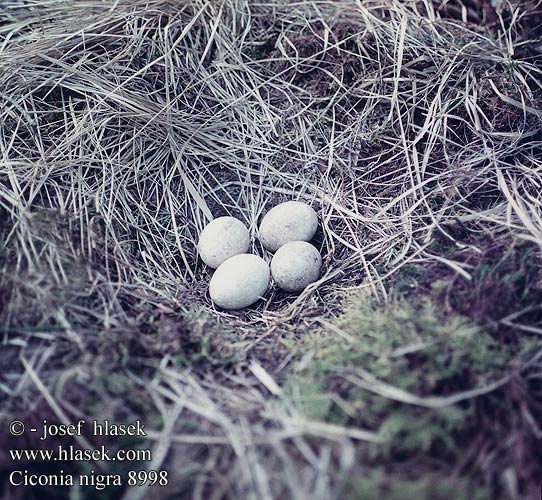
{"type": "Point", "coordinates": [118, 383]}
{"type": "Point", "coordinates": [413, 347]}
{"type": "Point", "coordinates": [419, 430]}
{"type": "Point", "coordinates": [310, 395]}
{"type": "Point", "coordinates": [400, 342]}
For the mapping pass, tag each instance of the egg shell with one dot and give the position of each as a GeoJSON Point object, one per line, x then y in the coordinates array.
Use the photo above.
{"type": "Point", "coordinates": [289, 221]}
{"type": "Point", "coordinates": [239, 281]}
{"type": "Point", "coordinates": [295, 265]}
{"type": "Point", "coordinates": [221, 239]}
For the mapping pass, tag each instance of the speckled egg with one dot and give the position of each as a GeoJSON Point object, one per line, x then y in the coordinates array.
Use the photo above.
{"type": "Point", "coordinates": [239, 281]}
{"type": "Point", "coordinates": [221, 239]}
{"type": "Point", "coordinates": [295, 265]}
{"type": "Point", "coordinates": [289, 221]}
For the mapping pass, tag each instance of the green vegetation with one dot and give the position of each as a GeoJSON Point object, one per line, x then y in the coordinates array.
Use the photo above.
{"type": "Point", "coordinates": [386, 487]}
{"type": "Point", "coordinates": [410, 370]}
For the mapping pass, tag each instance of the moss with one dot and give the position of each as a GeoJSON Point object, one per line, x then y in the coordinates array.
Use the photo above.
{"type": "Point", "coordinates": [412, 346]}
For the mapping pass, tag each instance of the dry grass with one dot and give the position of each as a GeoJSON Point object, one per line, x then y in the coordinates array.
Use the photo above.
{"type": "Point", "coordinates": [126, 126]}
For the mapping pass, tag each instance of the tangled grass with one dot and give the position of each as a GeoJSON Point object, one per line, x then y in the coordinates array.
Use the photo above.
{"type": "Point", "coordinates": [125, 127]}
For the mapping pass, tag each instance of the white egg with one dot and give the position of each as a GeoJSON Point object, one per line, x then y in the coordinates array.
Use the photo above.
{"type": "Point", "coordinates": [239, 281]}
{"type": "Point", "coordinates": [221, 239]}
{"type": "Point", "coordinates": [295, 265]}
{"type": "Point", "coordinates": [289, 221]}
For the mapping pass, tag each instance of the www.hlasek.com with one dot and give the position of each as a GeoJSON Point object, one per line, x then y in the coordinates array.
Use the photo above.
{"type": "Point", "coordinates": [70, 453]}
